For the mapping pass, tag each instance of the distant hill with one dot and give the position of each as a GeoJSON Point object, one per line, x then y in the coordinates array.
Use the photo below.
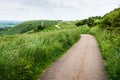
{"type": "Point", "coordinates": [31, 25]}
{"type": "Point", "coordinates": [110, 20]}
{"type": "Point", "coordinates": [4, 23]}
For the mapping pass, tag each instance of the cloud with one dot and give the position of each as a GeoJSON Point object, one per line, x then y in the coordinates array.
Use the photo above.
{"type": "Point", "coordinates": [37, 3]}
{"type": "Point", "coordinates": [54, 9]}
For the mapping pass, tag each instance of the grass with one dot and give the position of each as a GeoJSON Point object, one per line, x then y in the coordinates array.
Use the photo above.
{"type": "Point", "coordinates": [108, 36]}
{"type": "Point", "coordinates": [109, 42]}
{"type": "Point", "coordinates": [25, 56]}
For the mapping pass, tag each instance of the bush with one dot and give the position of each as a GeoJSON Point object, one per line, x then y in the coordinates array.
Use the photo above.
{"type": "Point", "coordinates": [111, 20]}
{"type": "Point", "coordinates": [24, 57]}
{"type": "Point", "coordinates": [110, 48]}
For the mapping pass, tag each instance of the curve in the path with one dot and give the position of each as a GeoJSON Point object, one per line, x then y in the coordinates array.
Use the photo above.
{"type": "Point", "coordinates": [81, 62]}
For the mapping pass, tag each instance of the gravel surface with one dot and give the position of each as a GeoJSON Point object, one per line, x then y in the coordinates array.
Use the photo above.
{"type": "Point", "coordinates": [83, 61]}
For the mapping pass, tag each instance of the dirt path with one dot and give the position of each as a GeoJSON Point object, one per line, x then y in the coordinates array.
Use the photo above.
{"type": "Point", "coordinates": [81, 62]}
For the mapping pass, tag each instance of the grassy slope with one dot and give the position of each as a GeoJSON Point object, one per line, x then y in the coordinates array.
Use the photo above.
{"type": "Point", "coordinates": [29, 25]}
{"type": "Point", "coordinates": [108, 36]}
{"type": "Point", "coordinates": [25, 56]}
{"type": "Point", "coordinates": [107, 32]}
{"type": "Point", "coordinates": [110, 47]}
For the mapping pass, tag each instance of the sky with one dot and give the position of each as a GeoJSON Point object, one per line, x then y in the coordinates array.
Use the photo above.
{"type": "Point", "coordinates": [55, 9]}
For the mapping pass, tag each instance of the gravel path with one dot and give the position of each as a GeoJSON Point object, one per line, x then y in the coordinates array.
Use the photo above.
{"type": "Point", "coordinates": [81, 62]}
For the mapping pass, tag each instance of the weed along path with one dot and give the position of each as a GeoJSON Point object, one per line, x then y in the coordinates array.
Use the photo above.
{"type": "Point", "coordinates": [81, 62]}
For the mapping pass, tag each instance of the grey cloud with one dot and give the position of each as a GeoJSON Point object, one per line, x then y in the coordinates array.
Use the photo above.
{"type": "Point", "coordinates": [45, 4]}
{"type": "Point", "coordinates": [7, 1]}
{"type": "Point", "coordinates": [22, 9]}
{"type": "Point", "coordinates": [36, 3]}
{"type": "Point", "coordinates": [55, 9]}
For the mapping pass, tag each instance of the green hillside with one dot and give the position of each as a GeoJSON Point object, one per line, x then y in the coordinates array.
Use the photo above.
{"type": "Point", "coordinates": [36, 25]}
{"type": "Point", "coordinates": [111, 19]}
{"type": "Point", "coordinates": [25, 56]}
{"type": "Point", "coordinates": [27, 49]}
{"type": "Point", "coordinates": [106, 29]}
{"type": "Point", "coordinates": [108, 36]}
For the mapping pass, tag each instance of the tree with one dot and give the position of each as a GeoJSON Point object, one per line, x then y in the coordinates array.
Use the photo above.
{"type": "Point", "coordinates": [90, 22]}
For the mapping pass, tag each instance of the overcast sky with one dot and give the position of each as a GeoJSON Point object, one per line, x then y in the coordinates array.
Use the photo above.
{"type": "Point", "coordinates": [54, 9]}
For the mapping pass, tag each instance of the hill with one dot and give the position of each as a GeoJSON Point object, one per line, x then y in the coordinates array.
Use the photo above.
{"type": "Point", "coordinates": [36, 25]}
{"type": "Point", "coordinates": [5, 23]}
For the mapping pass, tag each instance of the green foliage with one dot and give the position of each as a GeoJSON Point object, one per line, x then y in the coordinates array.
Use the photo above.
{"type": "Point", "coordinates": [25, 56]}
{"type": "Point", "coordinates": [81, 22]}
{"type": "Point", "coordinates": [67, 25]}
{"type": "Point", "coordinates": [112, 19]}
{"type": "Point", "coordinates": [91, 21]}
{"type": "Point", "coordinates": [108, 36]}
{"type": "Point", "coordinates": [109, 42]}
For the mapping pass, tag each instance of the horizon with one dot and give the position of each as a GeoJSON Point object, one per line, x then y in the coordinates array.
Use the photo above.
{"type": "Point", "coordinates": [66, 10]}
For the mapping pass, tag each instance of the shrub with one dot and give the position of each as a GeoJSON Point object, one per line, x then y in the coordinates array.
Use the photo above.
{"type": "Point", "coordinates": [24, 57]}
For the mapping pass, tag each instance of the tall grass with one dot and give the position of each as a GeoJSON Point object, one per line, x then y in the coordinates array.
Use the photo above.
{"type": "Point", "coordinates": [25, 56]}
{"type": "Point", "coordinates": [109, 42]}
